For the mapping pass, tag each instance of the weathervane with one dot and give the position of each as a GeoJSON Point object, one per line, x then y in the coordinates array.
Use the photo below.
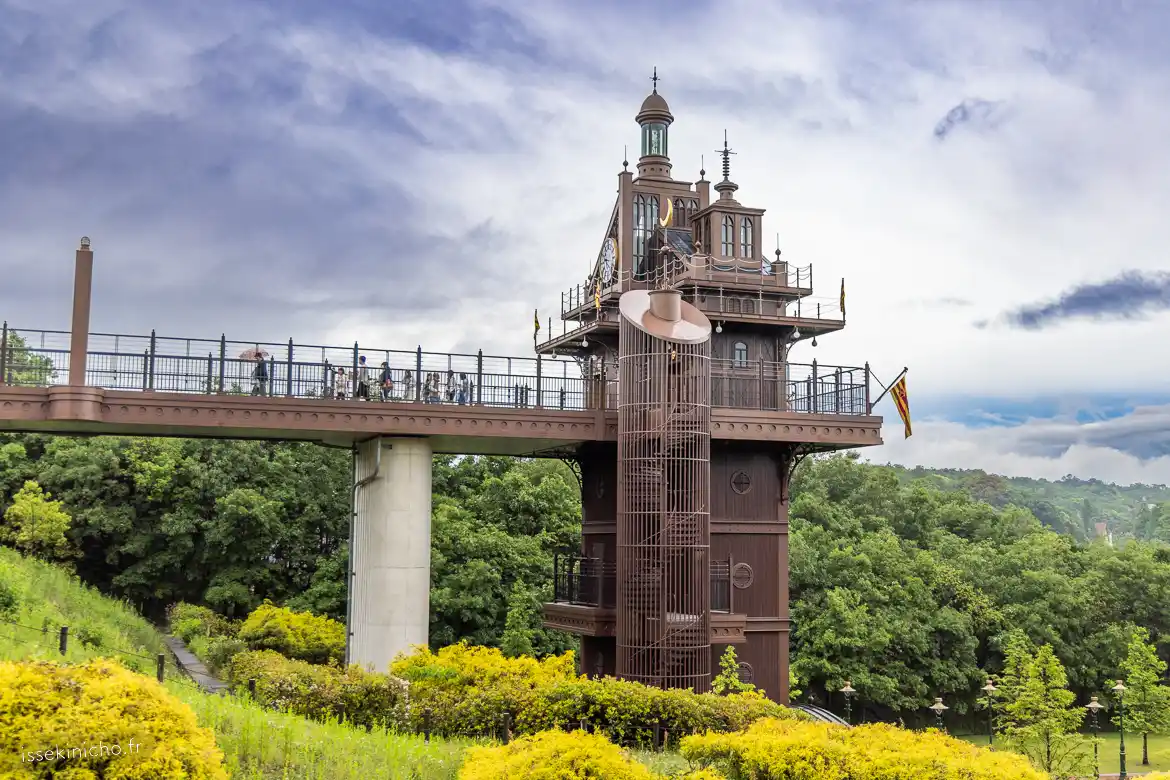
{"type": "Point", "coordinates": [654, 79]}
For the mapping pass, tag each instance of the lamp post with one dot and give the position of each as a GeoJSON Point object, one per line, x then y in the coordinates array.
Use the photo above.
{"type": "Point", "coordinates": [938, 708]}
{"type": "Point", "coordinates": [1120, 689]}
{"type": "Point", "coordinates": [1094, 707]}
{"type": "Point", "coordinates": [849, 692]}
{"type": "Point", "coordinates": [989, 692]}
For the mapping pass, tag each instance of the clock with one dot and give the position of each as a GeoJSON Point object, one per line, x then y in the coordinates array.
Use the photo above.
{"type": "Point", "coordinates": [608, 260]}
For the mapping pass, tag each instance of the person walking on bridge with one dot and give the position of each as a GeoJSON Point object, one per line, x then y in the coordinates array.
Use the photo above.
{"type": "Point", "coordinates": [386, 382]}
{"type": "Point", "coordinates": [260, 376]}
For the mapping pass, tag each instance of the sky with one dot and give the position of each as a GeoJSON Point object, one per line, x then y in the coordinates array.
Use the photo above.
{"type": "Point", "coordinates": [990, 179]}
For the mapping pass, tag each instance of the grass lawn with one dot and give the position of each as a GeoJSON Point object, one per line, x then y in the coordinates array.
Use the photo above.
{"type": "Point", "coordinates": [1109, 749]}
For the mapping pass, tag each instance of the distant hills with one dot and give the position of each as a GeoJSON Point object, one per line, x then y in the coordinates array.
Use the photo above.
{"type": "Point", "coordinates": [1068, 505]}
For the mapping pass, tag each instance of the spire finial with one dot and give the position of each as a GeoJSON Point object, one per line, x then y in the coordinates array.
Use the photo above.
{"type": "Point", "coordinates": [702, 167]}
{"type": "Point", "coordinates": [726, 153]}
{"type": "Point", "coordinates": [777, 247]}
{"type": "Point", "coordinates": [625, 158]}
{"type": "Point", "coordinates": [654, 79]}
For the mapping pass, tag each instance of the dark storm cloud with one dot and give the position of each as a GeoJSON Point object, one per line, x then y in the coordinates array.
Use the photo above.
{"type": "Point", "coordinates": [1132, 295]}
{"type": "Point", "coordinates": [225, 199]}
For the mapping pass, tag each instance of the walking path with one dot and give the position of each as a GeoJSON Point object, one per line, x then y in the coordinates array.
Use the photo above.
{"type": "Point", "coordinates": [193, 667]}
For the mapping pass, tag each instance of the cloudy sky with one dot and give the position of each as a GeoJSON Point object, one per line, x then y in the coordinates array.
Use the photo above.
{"type": "Point", "coordinates": [991, 178]}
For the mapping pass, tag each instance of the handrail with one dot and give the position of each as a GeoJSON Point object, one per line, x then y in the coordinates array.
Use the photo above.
{"type": "Point", "coordinates": [169, 365]}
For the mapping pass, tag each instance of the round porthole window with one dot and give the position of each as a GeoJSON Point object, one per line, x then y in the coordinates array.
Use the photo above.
{"type": "Point", "coordinates": [740, 482]}
{"type": "Point", "coordinates": [746, 675]}
{"type": "Point", "coordinates": [742, 576]}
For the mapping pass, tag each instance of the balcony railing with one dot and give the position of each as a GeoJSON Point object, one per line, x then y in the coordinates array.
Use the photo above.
{"type": "Point", "coordinates": [592, 582]}
{"type": "Point", "coordinates": [589, 582]}
{"type": "Point", "coordinates": [170, 365]}
{"type": "Point", "coordinates": [676, 271]}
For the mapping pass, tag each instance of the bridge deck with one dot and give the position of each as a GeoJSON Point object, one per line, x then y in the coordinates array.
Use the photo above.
{"type": "Point", "coordinates": [152, 386]}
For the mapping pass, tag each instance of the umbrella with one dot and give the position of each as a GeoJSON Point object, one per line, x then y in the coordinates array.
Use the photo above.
{"type": "Point", "coordinates": [252, 354]}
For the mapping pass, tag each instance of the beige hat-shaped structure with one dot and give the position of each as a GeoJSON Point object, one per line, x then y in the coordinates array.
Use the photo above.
{"type": "Point", "coordinates": [663, 314]}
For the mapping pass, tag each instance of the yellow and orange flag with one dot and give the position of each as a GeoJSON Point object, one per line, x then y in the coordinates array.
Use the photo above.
{"type": "Point", "coordinates": [898, 393]}
{"type": "Point", "coordinates": [842, 296]}
{"type": "Point", "coordinates": [597, 295]}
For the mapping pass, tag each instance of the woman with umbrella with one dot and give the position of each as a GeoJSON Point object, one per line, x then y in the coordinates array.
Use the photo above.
{"type": "Point", "coordinates": [260, 372]}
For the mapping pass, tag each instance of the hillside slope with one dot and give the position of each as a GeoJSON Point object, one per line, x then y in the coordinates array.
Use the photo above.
{"type": "Point", "coordinates": [1068, 505]}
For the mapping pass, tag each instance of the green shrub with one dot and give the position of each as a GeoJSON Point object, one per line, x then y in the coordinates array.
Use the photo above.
{"type": "Point", "coordinates": [773, 749]}
{"type": "Point", "coordinates": [10, 591]}
{"type": "Point", "coordinates": [352, 695]}
{"type": "Point", "coordinates": [189, 622]}
{"type": "Point", "coordinates": [76, 710]}
{"type": "Point", "coordinates": [220, 651]}
{"type": "Point", "coordinates": [299, 635]}
{"type": "Point", "coordinates": [553, 755]}
{"type": "Point", "coordinates": [627, 711]}
{"type": "Point", "coordinates": [467, 689]}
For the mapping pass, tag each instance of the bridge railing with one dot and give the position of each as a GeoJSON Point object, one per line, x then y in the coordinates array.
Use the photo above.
{"type": "Point", "coordinates": [171, 365]}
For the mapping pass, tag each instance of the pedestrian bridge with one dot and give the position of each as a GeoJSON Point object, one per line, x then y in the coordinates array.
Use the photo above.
{"type": "Point", "coordinates": [152, 385]}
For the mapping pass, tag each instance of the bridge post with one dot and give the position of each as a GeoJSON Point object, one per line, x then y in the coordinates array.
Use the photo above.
{"type": "Point", "coordinates": [150, 376]}
{"type": "Point", "coordinates": [479, 378]}
{"type": "Point", "coordinates": [418, 378]}
{"type": "Point", "coordinates": [289, 371]}
{"type": "Point", "coordinates": [82, 294]}
{"type": "Point", "coordinates": [390, 553]}
{"type": "Point", "coordinates": [222, 360]}
{"type": "Point", "coordinates": [4, 354]}
{"type": "Point", "coordinates": [539, 404]}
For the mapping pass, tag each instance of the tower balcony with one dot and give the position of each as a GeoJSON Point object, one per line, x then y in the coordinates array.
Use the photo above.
{"type": "Point", "coordinates": [738, 276]}
{"type": "Point", "coordinates": [585, 598]}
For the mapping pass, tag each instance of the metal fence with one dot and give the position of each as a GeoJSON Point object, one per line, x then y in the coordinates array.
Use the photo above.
{"type": "Point", "coordinates": [38, 358]}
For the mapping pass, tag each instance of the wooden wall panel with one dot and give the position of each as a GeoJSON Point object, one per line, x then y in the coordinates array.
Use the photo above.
{"type": "Point", "coordinates": [766, 653]}
{"type": "Point", "coordinates": [761, 552]}
{"type": "Point", "coordinates": [759, 503]}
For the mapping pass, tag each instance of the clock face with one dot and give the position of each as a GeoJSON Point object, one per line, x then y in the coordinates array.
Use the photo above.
{"type": "Point", "coordinates": [608, 260]}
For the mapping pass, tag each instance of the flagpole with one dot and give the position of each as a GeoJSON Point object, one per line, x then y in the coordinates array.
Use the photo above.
{"type": "Point", "coordinates": [886, 388]}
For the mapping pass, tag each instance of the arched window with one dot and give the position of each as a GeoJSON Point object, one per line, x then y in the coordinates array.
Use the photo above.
{"type": "Point", "coordinates": [739, 355]}
{"type": "Point", "coordinates": [745, 237]}
{"type": "Point", "coordinates": [729, 236]}
{"type": "Point", "coordinates": [645, 215]}
{"type": "Point", "coordinates": [680, 213]}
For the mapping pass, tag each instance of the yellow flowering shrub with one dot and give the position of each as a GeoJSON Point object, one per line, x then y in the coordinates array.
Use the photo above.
{"type": "Point", "coordinates": [66, 721]}
{"type": "Point", "coordinates": [553, 755]}
{"type": "Point", "coordinates": [777, 749]}
{"type": "Point", "coordinates": [467, 689]}
{"type": "Point", "coordinates": [299, 635]}
{"type": "Point", "coordinates": [314, 691]}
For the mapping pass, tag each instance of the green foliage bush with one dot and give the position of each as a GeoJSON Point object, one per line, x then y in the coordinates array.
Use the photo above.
{"type": "Point", "coordinates": [10, 591]}
{"type": "Point", "coordinates": [48, 707]}
{"type": "Point", "coordinates": [352, 695]}
{"type": "Point", "coordinates": [189, 622]}
{"type": "Point", "coordinates": [298, 635]}
{"type": "Point", "coordinates": [626, 711]}
{"type": "Point", "coordinates": [553, 755]}
{"type": "Point", "coordinates": [773, 749]}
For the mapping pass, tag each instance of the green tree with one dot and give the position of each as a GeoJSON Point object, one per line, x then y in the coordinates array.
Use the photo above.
{"type": "Point", "coordinates": [37, 525]}
{"type": "Point", "coordinates": [522, 622]}
{"type": "Point", "coordinates": [1147, 702]}
{"type": "Point", "coordinates": [1042, 718]}
{"type": "Point", "coordinates": [26, 367]}
{"type": "Point", "coordinates": [728, 680]}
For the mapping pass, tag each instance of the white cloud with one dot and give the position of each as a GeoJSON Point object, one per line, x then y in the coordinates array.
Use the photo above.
{"type": "Point", "coordinates": [832, 120]}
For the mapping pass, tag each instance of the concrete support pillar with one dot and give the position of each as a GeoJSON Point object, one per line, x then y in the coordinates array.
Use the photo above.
{"type": "Point", "coordinates": [390, 553]}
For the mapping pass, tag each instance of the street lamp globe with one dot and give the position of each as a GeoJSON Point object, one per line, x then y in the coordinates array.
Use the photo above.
{"type": "Point", "coordinates": [938, 708]}
{"type": "Point", "coordinates": [849, 692]}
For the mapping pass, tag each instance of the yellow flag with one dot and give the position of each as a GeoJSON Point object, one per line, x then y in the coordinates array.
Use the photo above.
{"type": "Point", "coordinates": [842, 296]}
{"type": "Point", "coordinates": [898, 393]}
{"type": "Point", "coordinates": [535, 323]}
{"type": "Point", "coordinates": [597, 295]}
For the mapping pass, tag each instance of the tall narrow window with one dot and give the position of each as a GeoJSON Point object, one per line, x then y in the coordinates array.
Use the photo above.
{"type": "Point", "coordinates": [745, 237]}
{"type": "Point", "coordinates": [739, 355]}
{"type": "Point", "coordinates": [680, 213]}
{"type": "Point", "coordinates": [654, 139]}
{"type": "Point", "coordinates": [645, 215]}
{"type": "Point", "coordinates": [729, 236]}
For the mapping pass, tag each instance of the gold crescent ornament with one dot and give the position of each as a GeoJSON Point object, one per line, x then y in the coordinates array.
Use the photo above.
{"type": "Point", "coordinates": [665, 221]}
